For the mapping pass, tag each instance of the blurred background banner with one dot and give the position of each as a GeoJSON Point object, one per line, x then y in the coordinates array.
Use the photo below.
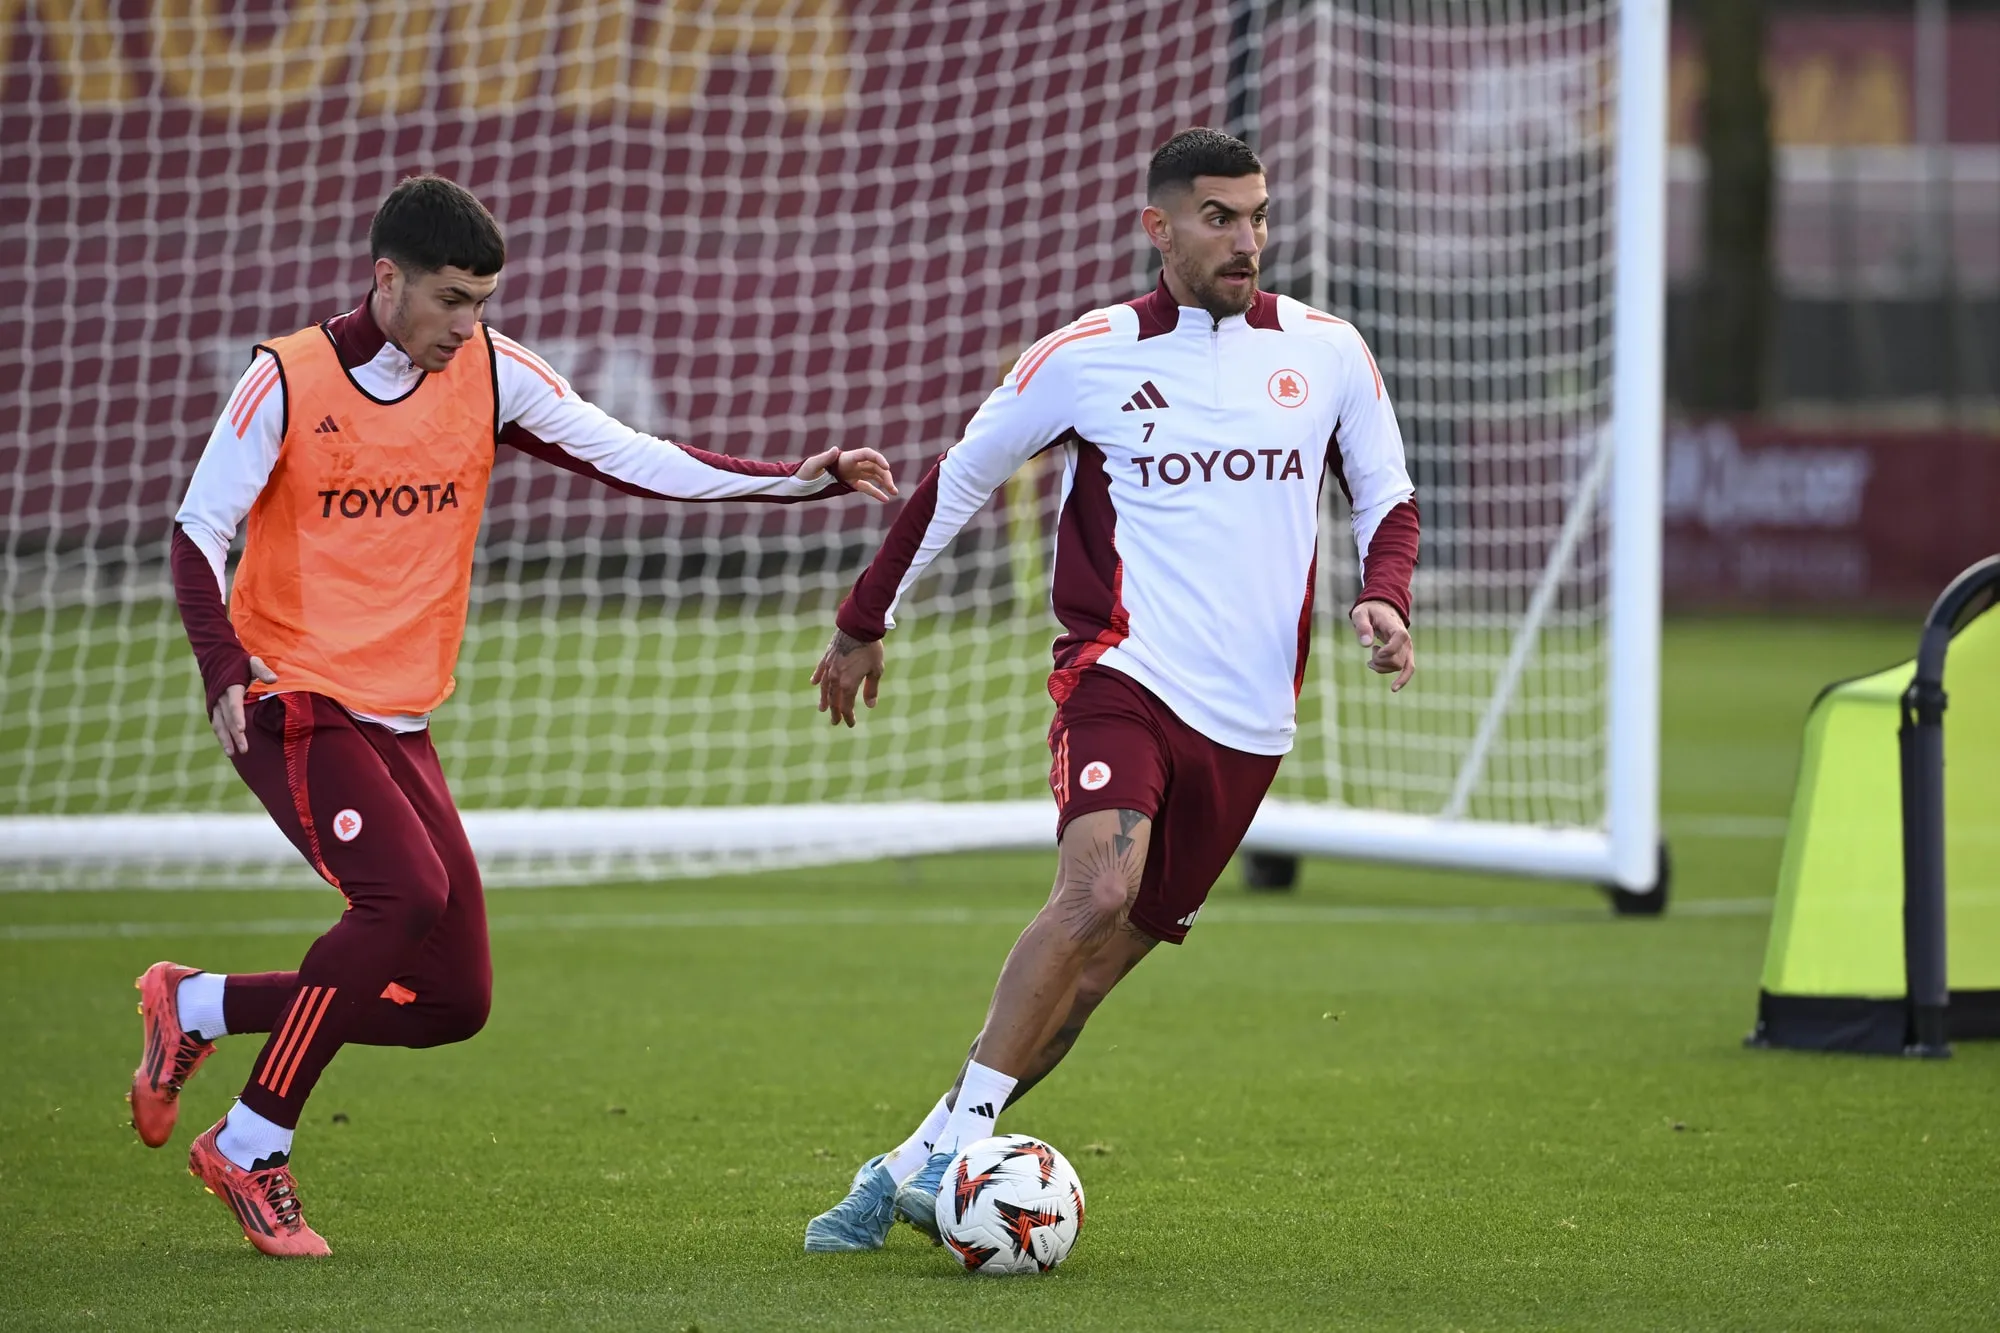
{"type": "Point", "coordinates": [1762, 513]}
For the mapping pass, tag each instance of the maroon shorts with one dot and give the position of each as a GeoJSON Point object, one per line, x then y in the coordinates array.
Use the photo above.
{"type": "Point", "coordinates": [1117, 747]}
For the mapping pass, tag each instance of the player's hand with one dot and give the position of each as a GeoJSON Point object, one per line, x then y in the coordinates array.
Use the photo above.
{"type": "Point", "coordinates": [227, 719]}
{"type": "Point", "coordinates": [863, 469]}
{"type": "Point", "coordinates": [1378, 627]}
{"type": "Point", "coordinates": [847, 665]}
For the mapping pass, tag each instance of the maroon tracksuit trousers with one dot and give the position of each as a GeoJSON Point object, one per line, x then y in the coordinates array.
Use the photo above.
{"type": "Point", "coordinates": [407, 964]}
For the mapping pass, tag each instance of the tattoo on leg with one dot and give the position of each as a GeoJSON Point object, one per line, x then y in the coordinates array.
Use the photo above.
{"type": "Point", "coordinates": [1047, 1059]}
{"type": "Point", "coordinates": [1101, 883]}
{"type": "Point", "coordinates": [1127, 821]}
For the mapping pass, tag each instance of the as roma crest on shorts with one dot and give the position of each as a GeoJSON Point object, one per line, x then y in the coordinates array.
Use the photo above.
{"type": "Point", "coordinates": [1094, 775]}
{"type": "Point", "coordinates": [347, 825]}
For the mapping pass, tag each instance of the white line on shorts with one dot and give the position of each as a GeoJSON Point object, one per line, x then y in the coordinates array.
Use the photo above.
{"type": "Point", "coordinates": [1227, 914]}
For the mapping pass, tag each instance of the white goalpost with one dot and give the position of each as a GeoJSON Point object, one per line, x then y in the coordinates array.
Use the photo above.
{"type": "Point", "coordinates": [766, 227]}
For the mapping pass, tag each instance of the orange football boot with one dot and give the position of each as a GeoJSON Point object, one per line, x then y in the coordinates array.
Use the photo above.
{"type": "Point", "coordinates": [169, 1057]}
{"type": "Point", "coordinates": [265, 1202]}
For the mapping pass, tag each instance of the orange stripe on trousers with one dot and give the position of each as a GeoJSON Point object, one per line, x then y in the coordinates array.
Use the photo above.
{"type": "Point", "coordinates": [326, 1002]}
{"type": "Point", "coordinates": [298, 742]}
{"type": "Point", "coordinates": [302, 1013]}
{"type": "Point", "coordinates": [285, 1034]}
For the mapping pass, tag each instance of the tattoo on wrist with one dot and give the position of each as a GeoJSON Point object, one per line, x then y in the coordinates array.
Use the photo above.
{"type": "Point", "coordinates": [845, 643]}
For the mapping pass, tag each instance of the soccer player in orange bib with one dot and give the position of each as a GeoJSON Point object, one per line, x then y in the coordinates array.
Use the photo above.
{"type": "Point", "coordinates": [1197, 427]}
{"type": "Point", "coordinates": [359, 451]}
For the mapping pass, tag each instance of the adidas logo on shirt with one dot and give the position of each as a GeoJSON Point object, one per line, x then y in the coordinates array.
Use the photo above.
{"type": "Point", "coordinates": [1148, 398]}
{"type": "Point", "coordinates": [327, 427]}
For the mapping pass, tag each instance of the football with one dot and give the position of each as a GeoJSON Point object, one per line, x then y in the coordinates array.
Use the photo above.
{"type": "Point", "coordinates": [1010, 1204]}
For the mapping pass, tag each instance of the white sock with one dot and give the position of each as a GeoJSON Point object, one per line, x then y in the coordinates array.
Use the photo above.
{"type": "Point", "coordinates": [981, 1094]}
{"type": "Point", "coordinates": [199, 1002]}
{"type": "Point", "coordinates": [248, 1138]}
{"type": "Point", "coordinates": [909, 1159]}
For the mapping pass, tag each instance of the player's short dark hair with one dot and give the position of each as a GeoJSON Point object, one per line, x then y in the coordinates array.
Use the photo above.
{"type": "Point", "coordinates": [1199, 152]}
{"type": "Point", "coordinates": [428, 223]}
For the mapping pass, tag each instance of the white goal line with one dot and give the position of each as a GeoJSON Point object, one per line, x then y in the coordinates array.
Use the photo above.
{"type": "Point", "coordinates": [599, 841]}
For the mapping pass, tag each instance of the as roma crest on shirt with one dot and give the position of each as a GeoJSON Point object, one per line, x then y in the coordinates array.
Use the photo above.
{"type": "Point", "coordinates": [1288, 388]}
{"type": "Point", "coordinates": [347, 825]}
{"type": "Point", "coordinates": [1095, 774]}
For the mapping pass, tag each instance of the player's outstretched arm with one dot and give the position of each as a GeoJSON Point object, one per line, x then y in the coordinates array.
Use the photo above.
{"type": "Point", "coordinates": [543, 415]}
{"type": "Point", "coordinates": [1025, 415]}
{"type": "Point", "coordinates": [862, 470]}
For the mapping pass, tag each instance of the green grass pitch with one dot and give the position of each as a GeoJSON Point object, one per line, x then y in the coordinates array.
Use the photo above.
{"type": "Point", "coordinates": [1391, 1100]}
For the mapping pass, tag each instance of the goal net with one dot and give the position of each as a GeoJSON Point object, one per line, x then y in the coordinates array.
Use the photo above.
{"type": "Point", "coordinates": [768, 226]}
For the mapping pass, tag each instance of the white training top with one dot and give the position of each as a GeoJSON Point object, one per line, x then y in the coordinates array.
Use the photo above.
{"type": "Point", "coordinates": [1194, 451]}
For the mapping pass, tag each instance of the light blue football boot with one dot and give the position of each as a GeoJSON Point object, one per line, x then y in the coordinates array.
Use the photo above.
{"type": "Point", "coordinates": [916, 1201]}
{"type": "Point", "coordinates": [861, 1221]}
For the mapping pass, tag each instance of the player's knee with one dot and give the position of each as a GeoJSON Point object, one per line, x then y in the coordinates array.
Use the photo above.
{"type": "Point", "coordinates": [455, 1013]}
{"type": "Point", "coordinates": [1110, 896]}
{"type": "Point", "coordinates": [467, 1014]}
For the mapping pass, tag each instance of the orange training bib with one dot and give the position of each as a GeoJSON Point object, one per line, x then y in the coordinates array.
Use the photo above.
{"type": "Point", "coordinates": [357, 558]}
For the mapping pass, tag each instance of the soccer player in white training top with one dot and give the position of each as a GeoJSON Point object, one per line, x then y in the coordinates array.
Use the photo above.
{"type": "Point", "coordinates": [1197, 426]}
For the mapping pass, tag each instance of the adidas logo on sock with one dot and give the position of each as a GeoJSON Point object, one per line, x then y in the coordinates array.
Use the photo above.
{"type": "Point", "coordinates": [1148, 398]}
{"type": "Point", "coordinates": [985, 1109]}
{"type": "Point", "coordinates": [327, 427]}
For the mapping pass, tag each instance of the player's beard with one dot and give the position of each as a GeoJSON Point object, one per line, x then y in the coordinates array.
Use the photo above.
{"type": "Point", "coordinates": [1216, 298]}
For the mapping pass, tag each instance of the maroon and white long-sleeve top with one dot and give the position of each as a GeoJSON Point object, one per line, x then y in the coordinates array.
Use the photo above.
{"type": "Point", "coordinates": [1194, 450]}
{"type": "Point", "coordinates": [538, 412]}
